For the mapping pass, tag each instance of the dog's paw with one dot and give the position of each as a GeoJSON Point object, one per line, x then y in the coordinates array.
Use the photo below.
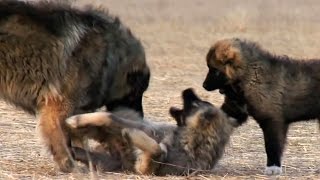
{"type": "Point", "coordinates": [273, 170]}
{"type": "Point", "coordinates": [72, 122]}
{"type": "Point", "coordinates": [65, 164]}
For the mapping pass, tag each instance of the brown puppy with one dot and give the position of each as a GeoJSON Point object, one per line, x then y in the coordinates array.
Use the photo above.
{"type": "Point", "coordinates": [278, 90]}
{"type": "Point", "coordinates": [197, 143]}
{"type": "Point", "coordinates": [57, 61]}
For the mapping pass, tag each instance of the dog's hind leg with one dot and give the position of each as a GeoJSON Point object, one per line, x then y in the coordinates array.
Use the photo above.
{"type": "Point", "coordinates": [150, 153]}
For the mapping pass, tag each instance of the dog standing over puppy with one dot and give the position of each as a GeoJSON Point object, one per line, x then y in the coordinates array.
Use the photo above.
{"type": "Point", "coordinates": [57, 61]}
{"type": "Point", "coordinates": [277, 90]}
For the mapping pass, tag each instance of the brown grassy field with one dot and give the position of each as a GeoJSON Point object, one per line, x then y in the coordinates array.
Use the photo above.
{"type": "Point", "coordinates": [176, 35]}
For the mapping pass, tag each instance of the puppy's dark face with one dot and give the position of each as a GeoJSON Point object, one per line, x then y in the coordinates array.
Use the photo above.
{"type": "Point", "coordinates": [214, 80]}
{"type": "Point", "coordinates": [138, 83]}
{"type": "Point", "coordinates": [196, 113]}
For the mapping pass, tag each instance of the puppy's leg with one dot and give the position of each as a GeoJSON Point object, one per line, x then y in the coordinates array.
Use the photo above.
{"type": "Point", "coordinates": [89, 119]}
{"type": "Point", "coordinates": [142, 141]}
{"type": "Point", "coordinates": [105, 119]}
{"type": "Point", "coordinates": [236, 110]}
{"type": "Point", "coordinates": [150, 150]}
{"type": "Point", "coordinates": [52, 117]}
{"type": "Point", "coordinates": [275, 138]}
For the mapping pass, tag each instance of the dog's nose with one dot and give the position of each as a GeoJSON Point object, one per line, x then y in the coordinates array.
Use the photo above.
{"type": "Point", "coordinates": [204, 85]}
{"type": "Point", "coordinates": [221, 91]}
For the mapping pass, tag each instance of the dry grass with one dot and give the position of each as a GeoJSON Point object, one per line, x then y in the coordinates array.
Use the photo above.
{"type": "Point", "coordinates": [177, 35]}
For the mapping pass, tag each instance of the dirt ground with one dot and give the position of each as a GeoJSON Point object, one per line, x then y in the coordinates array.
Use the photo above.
{"type": "Point", "coordinates": [176, 35]}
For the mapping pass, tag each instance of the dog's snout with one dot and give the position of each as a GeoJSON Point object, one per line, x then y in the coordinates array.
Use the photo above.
{"type": "Point", "coordinates": [221, 91]}
{"type": "Point", "coordinates": [204, 85]}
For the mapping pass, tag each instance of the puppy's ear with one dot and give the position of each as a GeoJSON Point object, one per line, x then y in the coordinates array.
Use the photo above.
{"type": "Point", "coordinates": [189, 96]}
{"type": "Point", "coordinates": [230, 72]}
{"type": "Point", "coordinates": [231, 61]}
{"type": "Point", "coordinates": [229, 55]}
{"type": "Point", "coordinates": [176, 113]}
{"type": "Point", "coordinates": [226, 52]}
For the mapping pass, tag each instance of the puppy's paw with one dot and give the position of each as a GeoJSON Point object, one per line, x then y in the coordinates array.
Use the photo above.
{"type": "Point", "coordinates": [273, 170]}
{"type": "Point", "coordinates": [73, 122]}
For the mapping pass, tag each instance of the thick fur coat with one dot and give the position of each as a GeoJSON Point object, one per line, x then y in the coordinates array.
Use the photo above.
{"type": "Point", "coordinates": [57, 61]}
{"type": "Point", "coordinates": [277, 90]}
{"type": "Point", "coordinates": [197, 142]}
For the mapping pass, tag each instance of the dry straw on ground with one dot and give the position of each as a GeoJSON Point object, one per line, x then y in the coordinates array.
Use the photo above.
{"type": "Point", "coordinates": [177, 35]}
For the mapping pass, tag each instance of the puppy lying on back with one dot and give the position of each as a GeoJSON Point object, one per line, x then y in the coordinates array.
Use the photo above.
{"type": "Point", "coordinates": [197, 142]}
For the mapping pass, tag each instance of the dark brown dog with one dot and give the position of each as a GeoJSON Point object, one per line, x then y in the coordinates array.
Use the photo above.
{"type": "Point", "coordinates": [197, 143]}
{"type": "Point", "coordinates": [278, 90]}
{"type": "Point", "coordinates": [57, 61]}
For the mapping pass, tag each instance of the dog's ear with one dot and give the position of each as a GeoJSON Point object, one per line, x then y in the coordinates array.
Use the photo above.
{"type": "Point", "coordinates": [176, 113]}
{"type": "Point", "coordinates": [189, 95]}
{"type": "Point", "coordinates": [226, 52]}
{"type": "Point", "coordinates": [229, 56]}
{"type": "Point", "coordinates": [230, 72]}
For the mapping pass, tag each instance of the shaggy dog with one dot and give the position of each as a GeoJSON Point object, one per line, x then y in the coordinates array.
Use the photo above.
{"type": "Point", "coordinates": [277, 90]}
{"type": "Point", "coordinates": [146, 147]}
{"type": "Point", "coordinates": [57, 61]}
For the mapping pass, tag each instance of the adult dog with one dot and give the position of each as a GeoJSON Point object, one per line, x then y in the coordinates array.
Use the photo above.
{"type": "Point", "coordinates": [196, 143]}
{"type": "Point", "coordinates": [57, 61]}
{"type": "Point", "coordinates": [277, 90]}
